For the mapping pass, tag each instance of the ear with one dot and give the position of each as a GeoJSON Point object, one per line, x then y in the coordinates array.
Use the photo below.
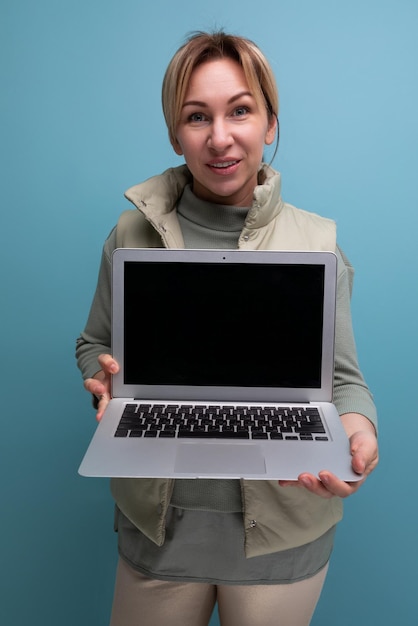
{"type": "Point", "coordinates": [271, 130]}
{"type": "Point", "coordinates": [177, 147]}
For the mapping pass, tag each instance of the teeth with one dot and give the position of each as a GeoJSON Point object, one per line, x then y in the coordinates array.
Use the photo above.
{"type": "Point", "coordinates": [221, 165]}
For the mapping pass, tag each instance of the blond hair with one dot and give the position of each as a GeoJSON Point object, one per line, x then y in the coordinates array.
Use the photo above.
{"type": "Point", "coordinates": [201, 47]}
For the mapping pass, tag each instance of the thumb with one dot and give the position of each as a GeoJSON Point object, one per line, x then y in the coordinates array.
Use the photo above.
{"type": "Point", "coordinates": [363, 451]}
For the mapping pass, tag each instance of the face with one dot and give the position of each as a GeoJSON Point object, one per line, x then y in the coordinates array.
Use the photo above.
{"type": "Point", "coordinates": [222, 133]}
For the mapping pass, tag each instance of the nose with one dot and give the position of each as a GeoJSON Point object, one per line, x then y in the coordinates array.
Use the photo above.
{"type": "Point", "coordinates": [220, 137]}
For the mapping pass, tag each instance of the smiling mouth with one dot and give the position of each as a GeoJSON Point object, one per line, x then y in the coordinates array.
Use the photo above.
{"type": "Point", "coordinates": [223, 165]}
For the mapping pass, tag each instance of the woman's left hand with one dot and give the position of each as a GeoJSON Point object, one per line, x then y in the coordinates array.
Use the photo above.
{"type": "Point", "coordinates": [365, 456]}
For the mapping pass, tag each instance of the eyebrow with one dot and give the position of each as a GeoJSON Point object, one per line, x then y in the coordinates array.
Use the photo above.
{"type": "Point", "coordinates": [200, 103]}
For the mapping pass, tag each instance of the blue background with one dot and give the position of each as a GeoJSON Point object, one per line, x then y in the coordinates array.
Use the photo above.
{"type": "Point", "coordinates": [80, 122]}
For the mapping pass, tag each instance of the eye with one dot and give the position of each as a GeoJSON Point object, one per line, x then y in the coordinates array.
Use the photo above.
{"type": "Point", "coordinates": [197, 118]}
{"type": "Point", "coordinates": [241, 111]}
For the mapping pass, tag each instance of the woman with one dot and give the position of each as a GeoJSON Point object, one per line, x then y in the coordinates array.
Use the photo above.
{"type": "Point", "coordinates": [260, 548]}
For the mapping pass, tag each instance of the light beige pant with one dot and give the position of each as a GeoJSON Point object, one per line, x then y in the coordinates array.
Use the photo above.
{"type": "Point", "coordinates": [141, 601]}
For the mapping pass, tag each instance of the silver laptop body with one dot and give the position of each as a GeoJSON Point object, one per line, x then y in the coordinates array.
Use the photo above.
{"type": "Point", "coordinates": [228, 332]}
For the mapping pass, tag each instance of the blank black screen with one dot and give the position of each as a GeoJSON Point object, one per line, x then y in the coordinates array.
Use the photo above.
{"type": "Point", "coordinates": [245, 325]}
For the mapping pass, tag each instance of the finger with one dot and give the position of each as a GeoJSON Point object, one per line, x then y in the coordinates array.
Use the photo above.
{"type": "Point", "coordinates": [364, 466]}
{"type": "Point", "coordinates": [289, 483]}
{"type": "Point", "coordinates": [337, 487]}
{"type": "Point", "coordinates": [365, 455]}
{"type": "Point", "coordinates": [94, 386]}
{"type": "Point", "coordinates": [358, 463]}
{"type": "Point", "coordinates": [362, 440]}
{"type": "Point", "coordinates": [101, 407]}
{"type": "Point", "coordinates": [310, 483]}
{"type": "Point", "coordinates": [315, 486]}
{"type": "Point", "coordinates": [108, 364]}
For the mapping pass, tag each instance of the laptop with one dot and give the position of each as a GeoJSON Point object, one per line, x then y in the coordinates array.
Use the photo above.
{"type": "Point", "coordinates": [226, 367]}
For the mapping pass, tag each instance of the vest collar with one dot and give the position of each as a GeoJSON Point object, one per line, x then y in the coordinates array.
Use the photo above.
{"type": "Point", "coordinates": [158, 196]}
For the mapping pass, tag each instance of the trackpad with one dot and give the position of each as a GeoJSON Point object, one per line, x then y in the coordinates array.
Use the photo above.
{"type": "Point", "coordinates": [219, 459]}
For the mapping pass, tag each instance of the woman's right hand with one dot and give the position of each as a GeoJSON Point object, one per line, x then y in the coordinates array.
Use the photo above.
{"type": "Point", "coordinates": [100, 384]}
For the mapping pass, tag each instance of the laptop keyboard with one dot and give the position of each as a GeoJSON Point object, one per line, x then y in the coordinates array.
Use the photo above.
{"type": "Point", "coordinates": [190, 421]}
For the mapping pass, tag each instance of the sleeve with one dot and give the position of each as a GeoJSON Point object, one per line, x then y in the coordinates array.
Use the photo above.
{"type": "Point", "coordinates": [96, 336]}
{"type": "Point", "coordinates": [351, 393]}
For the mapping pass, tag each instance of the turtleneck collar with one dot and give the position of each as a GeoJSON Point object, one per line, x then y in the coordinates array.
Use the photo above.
{"type": "Point", "coordinates": [217, 217]}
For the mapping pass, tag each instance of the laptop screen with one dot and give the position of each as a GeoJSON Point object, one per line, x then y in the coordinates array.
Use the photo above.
{"type": "Point", "coordinates": [223, 325]}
